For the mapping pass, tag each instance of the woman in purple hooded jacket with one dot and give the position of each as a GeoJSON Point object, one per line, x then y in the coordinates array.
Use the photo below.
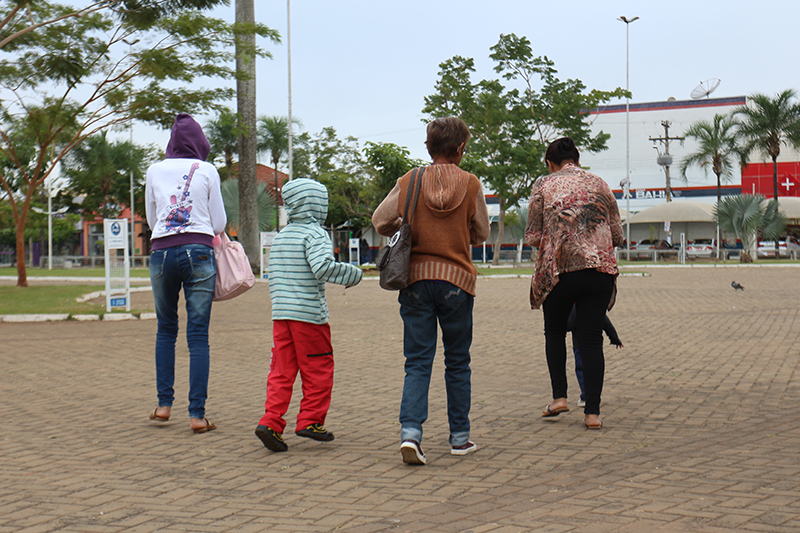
{"type": "Point", "coordinates": [184, 211]}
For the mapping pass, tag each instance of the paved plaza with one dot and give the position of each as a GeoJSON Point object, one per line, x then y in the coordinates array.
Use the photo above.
{"type": "Point", "coordinates": [702, 430]}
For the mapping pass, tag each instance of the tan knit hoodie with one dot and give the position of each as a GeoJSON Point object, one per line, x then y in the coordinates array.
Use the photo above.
{"type": "Point", "coordinates": [450, 217]}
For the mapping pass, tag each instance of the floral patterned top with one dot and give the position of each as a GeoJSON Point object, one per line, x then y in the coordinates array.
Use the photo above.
{"type": "Point", "coordinates": [573, 220]}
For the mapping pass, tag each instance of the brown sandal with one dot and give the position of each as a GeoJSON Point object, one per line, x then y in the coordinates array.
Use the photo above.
{"type": "Point", "coordinates": [554, 412]}
{"type": "Point", "coordinates": [157, 418]}
{"type": "Point", "coordinates": [208, 427]}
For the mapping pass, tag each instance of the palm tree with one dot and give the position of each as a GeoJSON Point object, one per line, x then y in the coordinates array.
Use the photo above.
{"type": "Point", "coordinates": [769, 123]}
{"type": "Point", "coordinates": [101, 170]}
{"type": "Point", "coordinates": [517, 222]}
{"type": "Point", "coordinates": [230, 198]}
{"type": "Point", "coordinates": [273, 138]}
{"type": "Point", "coordinates": [747, 216]}
{"type": "Point", "coordinates": [719, 150]}
{"type": "Point", "coordinates": [223, 134]}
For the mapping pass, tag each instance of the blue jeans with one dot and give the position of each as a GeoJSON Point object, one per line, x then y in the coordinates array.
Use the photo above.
{"type": "Point", "coordinates": [192, 267]}
{"type": "Point", "coordinates": [422, 305]}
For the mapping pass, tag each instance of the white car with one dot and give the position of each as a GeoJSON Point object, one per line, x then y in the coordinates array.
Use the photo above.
{"type": "Point", "coordinates": [785, 248]}
{"type": "Point", "coordinates": [701, 248]}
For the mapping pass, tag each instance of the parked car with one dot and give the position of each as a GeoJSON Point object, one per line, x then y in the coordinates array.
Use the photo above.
{"type": "Point", "coordinates": [701, 248]}
{"type": "Point", "coordinates": [649, 245]}
{"type": "Point", "coordinates": [785, 248]}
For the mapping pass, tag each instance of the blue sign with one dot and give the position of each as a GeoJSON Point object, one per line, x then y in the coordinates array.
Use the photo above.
{"type": "Point", "coordinates": [118, 302]}
{"type": "Point", "coordinates": [115, 229]}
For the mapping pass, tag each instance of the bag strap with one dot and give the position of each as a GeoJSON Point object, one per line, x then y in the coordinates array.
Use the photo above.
{"type": "Point", "coordinates": [415, 183]}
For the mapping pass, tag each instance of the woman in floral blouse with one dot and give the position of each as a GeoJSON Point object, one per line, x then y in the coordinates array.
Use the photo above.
{"type": "Point", "coordinates": [573, 220]}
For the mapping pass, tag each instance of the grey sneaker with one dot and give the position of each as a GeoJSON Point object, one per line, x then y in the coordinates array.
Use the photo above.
{"type": "Point", "coordinates": [412, 453]}
{"type": "Point", "coordinates": [464, 449]}
{"type": "Point", "coordinates": [581, 403]}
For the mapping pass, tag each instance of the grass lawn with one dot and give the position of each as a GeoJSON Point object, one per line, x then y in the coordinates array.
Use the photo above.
{"type": "Point", "coordinates": [70, 272]}
{"type": "Point", "coordinates": [50, 299]}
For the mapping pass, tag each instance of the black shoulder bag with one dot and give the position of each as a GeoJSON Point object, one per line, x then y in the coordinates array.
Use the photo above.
{"type": "Point", "coordinates": [393, 261]}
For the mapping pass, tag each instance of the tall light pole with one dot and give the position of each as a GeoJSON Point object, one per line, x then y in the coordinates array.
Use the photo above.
{"type": "Point", "coordinates": [51, 192]}
{"type": "Point", "coordinates": [627, 180]}
{"type": "Point", "coordinates": [133, 233]}
{"type": "Point", "coordinates": [289, 68]}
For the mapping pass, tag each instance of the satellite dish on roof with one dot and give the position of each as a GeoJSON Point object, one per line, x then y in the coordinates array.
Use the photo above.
{"type": "Point", "coordinates": [705, 88]}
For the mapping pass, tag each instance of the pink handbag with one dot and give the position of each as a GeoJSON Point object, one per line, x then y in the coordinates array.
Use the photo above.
{"type": "Point", "coordinates": [234, 275]}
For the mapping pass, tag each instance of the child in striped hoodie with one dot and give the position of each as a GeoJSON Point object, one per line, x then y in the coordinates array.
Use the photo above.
{"type": "Point", "coordinates": [300, 263]}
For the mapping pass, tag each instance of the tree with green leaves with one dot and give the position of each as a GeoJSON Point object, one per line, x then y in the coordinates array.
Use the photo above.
{"type": "Point", "coordinates": [718, 150]}
{"type": "Point", "coordinates": [512, 126]}
{"type": "Point", "coordinates": [100, 171]}
{"type": "Point", "coordinates": [338, 164]}
{"type": "Point", "coordinates": [748, 217]}
{"type": "Point", "coordinates": [223, 136]}
{"type": "Point", "coordinates": [388, 162]}
{"type": "Point", "coordinates": [67, 77]}
{"type": "Point", "coordinates": [18, 20]}
{"type": "Point", "coordinates": [769, 123]}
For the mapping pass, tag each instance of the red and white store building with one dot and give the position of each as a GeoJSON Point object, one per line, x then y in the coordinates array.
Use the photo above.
{"type": "Point", "coordinates": [648, 178]}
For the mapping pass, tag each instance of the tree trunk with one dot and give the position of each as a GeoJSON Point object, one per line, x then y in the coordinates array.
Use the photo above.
{"type": "Point", "coordinates": [22, 275]}
{"type": "Point", "coordinates": [719, 200]}
{"type": "Point", "coordinates": [246, 105]}
{"type": "Point", "coordinates": [775, 179]}
{"type": "Point", "coordinates": [775, 189]}
{"type": "Point", "coordinates": [228, 162]}
{"type": "Point", "coordinates": [501, 219]}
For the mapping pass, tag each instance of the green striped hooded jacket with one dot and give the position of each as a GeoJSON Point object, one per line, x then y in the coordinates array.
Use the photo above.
{"type": "Point", "coordinates": [301, 261]}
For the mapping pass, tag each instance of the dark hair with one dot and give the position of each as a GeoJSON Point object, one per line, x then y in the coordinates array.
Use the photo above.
{"type": "Point", "coordinates": [445, 135]}
{"type": "Point", "coordinates": [561, 150]}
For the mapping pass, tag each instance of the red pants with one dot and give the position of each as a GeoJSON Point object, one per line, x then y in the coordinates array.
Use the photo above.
{"type": "Point", "coordinates": [305, 347]}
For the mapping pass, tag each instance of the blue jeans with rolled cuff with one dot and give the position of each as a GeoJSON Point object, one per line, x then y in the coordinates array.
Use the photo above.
{"type": "Point", "coordinates": [424, 306]}
{"type": "Point", "coordinates": [192, 268]}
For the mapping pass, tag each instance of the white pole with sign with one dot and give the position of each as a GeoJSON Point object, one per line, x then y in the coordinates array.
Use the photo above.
{"type": "Point", "coordinates": [266, 245]}
{"type": "Point", "coordinates": [118, 272]}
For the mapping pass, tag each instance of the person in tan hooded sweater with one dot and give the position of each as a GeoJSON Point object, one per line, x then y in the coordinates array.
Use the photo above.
{"type": "Point", "coordinates": [450, 217]}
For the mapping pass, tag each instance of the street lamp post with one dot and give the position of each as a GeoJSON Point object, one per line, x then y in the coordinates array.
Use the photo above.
{"type": "Point", "coordinates": [133, 233]}
{"type": "Point", "coordinates": [50, 191]}
{"type": "Point", "coordinates": [627, 189]}
{"type": "Point", "coordinates": [289, 76]}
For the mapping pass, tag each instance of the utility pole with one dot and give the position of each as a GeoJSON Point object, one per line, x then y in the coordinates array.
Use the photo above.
{"type": "Point", "coordinates": [665, 160]}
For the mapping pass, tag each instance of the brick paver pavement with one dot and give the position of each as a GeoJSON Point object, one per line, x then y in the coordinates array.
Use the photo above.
{"type": "Point", "coordinates": [702, 432]}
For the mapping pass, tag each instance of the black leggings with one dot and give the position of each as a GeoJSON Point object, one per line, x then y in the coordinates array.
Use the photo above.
{"type": "Point", "coordinates": [590, 291]}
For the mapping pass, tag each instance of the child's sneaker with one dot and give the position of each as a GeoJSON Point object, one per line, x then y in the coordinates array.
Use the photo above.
{"type": "Point", "coordinates": [412, 453]}
{"type": "Point", "coordinates": [271, 439]}
{"type": "Point", "coordinates": [316, 432]}
{"type": "Point", "coordinates": [464, 449]}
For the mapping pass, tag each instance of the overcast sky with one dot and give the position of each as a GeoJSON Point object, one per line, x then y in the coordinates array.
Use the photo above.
{"type": "Point", "coordinates": [365, 66]}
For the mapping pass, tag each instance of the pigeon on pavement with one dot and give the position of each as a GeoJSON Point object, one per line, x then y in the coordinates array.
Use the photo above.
{"type": "Point", "coordinates": [736, 286]}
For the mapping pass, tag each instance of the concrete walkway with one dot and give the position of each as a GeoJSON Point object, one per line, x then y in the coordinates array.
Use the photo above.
{"type": "Point", "coordinates": [701, 428]}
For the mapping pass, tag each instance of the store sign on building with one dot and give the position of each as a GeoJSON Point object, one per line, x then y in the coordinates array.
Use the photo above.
{"type": "Point", "coordinates": [654, 194]}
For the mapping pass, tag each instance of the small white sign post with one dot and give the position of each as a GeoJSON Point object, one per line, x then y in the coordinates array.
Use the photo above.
{"type": "Point", "coordinates": [266, 245]}
{"type": "Point", "coordinates": [355, 251]}
{"type": "Point", "coordinates": [118, 272]}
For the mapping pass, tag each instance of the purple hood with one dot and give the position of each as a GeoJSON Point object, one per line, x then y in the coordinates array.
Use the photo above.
{"type": "Point", "coordinates": [187, 140]}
